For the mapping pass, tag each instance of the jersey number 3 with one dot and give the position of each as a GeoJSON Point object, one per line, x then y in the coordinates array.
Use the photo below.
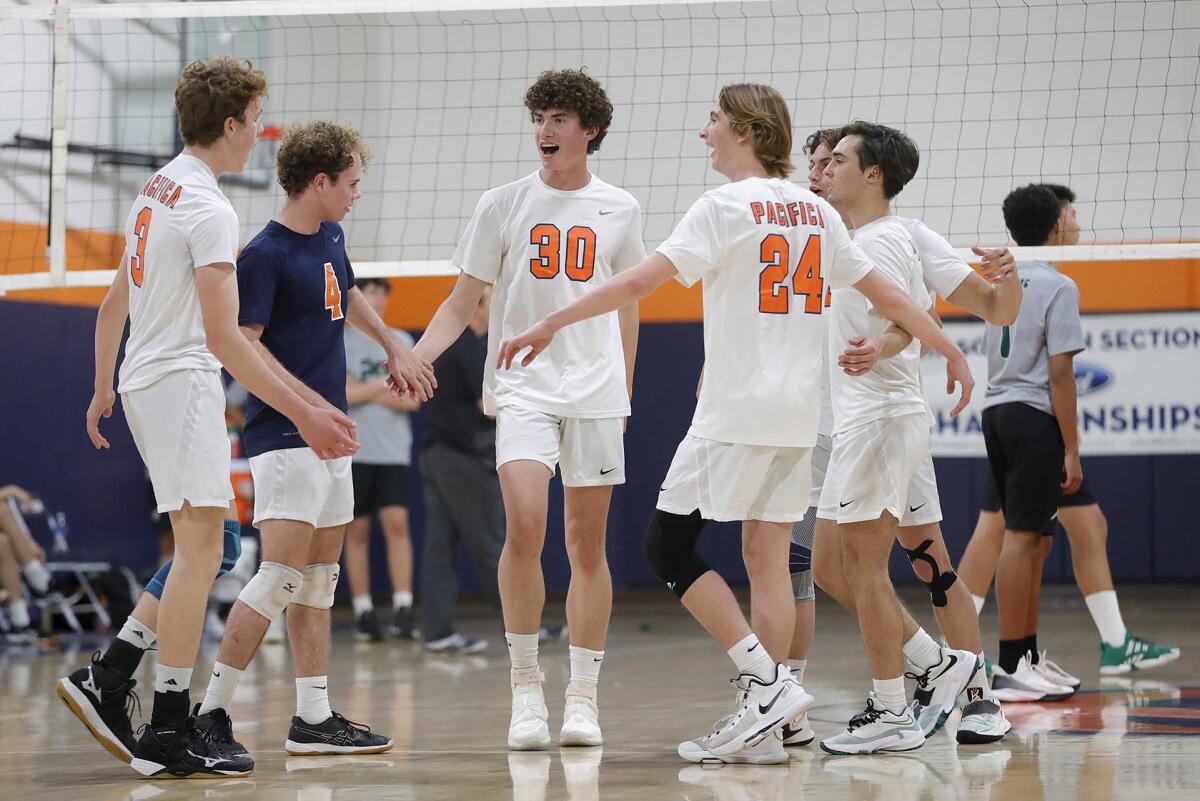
{"type": "Point", "coordinates": [580, 257]}
{"type": "Point", "coordinates": [773, 296]}
{"type": "Point", "coordinates": [137, 262]}
{"type": "Point", "coordinates": [333, 293]}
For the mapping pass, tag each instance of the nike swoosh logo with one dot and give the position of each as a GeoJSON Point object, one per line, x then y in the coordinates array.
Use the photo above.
{"type": "Point", "coordinates": [845, 504]}
{"type": "Point", "coordinates": [915, 508]}
{"type": "Point", "coordinates": [216, 675]}
{"type": "Point", "coordinates": [604, 213]}
{"type": "Point", "coordinates": [606, 472]}
{"type": "Point", "coordinates": [752, 647]}
{"type": "Point", "coordinates": [597, 659]}
{"type": "Point", "coordinates": [336, 238]}
{"type": "Point", "coordinates": [762, 710]}
{"type": "Point", "coordinates": [322, 687]}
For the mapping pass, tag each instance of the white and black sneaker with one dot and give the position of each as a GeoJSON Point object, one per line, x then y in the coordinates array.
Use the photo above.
{"type": "Point", "coordinates": [455, 643]}
{"type": "Point", "coordinates": [179, 751]}
{"type": "Point", "coordinates": [939, 686]}
{"type": "Point", "coordinates": [797, 731]}
{"type": "Point", "coordinates": [982, 718]}
{"type": "Point", "coordinates": [334, 735]}
{"type": "Point", "coordinates": [216, 727]}
{"type": "Point", "coordinates": [104, 702]}
{"type": "Point", "coordinates": [766, 707]}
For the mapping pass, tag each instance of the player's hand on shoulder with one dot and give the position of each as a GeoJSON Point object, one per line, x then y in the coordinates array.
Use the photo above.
{"type": "Point", "coordinates": [101, 406]}
{"type": "Point", "coordinates": [537, 338]}
{"type": "Point", "coordinates": [959, 372]}
{"type": "Point", "coordinates": [859, 357]}
{"type": "Point", "coordinates": [408, 372]}
{"type": "Point", "coordinates": [328, 431]}
{"type": "Point", "coordinates": [997, 264]}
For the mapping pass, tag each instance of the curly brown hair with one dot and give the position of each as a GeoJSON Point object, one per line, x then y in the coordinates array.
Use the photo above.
{"type": "Point", "coordinates": [573, 90]}
{"type": "Point", "coordinates": [210, 92]}
{"type": "Point", "coordinates": [825, 136]}
{"type": "Point", "coordinates": [311, 148]}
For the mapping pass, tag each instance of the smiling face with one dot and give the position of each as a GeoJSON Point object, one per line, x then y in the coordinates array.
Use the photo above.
{"type": "Point", "coordinates": [337, 197]}
{"type": "Point", "coordinates": [721, 139]}
{"type": "Point", "coordinates": [818, 183]}
{"type": "Point", "coordinates": [561, 141]}
{"type": "Point", "coordinates": [847, 181]}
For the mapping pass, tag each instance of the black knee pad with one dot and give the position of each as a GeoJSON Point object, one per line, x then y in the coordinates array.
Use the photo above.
{"type": "Point", "coordinates": [938, 582]}
{"type": "Point", "coordinates": [670, 549]}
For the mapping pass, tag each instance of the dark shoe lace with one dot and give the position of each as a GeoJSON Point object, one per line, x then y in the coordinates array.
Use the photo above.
{"type": "Point", "coordinates": [868, 716]}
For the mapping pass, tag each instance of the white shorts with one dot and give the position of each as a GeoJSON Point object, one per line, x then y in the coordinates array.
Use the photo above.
{"type": "Point", "coordinates": [820, 466]}
{"type": "Point", "coordinates": [296, 484]}
{"type": "Point", "coordinates": [731, 481]}
{"type": "Point", "coordinates": [178, 425]}
{"type": "Point", "coordinates": [591, 450]}
{"type": "Point", "coordinates": [871, 468]}
{"type": "Point", "coordinates": [923, 505]}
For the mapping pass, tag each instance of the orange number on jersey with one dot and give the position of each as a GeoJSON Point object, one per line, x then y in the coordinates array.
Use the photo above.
{"type": "Point", "coordinates": [137, 262]}
{"type": "Point", "coordinates": [333, 293]}
{"type": "Point", "coordinates": [774, 253]}
{"type": "Point", "coordinates": [806, 281]}
{"type": "Point", "coordinates": [581, 253]}
{"type": "Point", "coordinates": [546, 237]}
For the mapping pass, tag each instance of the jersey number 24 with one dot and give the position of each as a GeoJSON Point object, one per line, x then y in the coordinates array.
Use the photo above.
{"type": "Point", "coordinates": [774, 296]}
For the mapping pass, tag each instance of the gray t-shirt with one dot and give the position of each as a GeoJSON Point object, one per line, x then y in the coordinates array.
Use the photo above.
{"type": "Point", "coordinates": [385, 434]}
{"type": "Point", "coordinates": [1046, 325]}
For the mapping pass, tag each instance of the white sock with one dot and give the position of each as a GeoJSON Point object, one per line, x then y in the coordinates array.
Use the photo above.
{"type": "Point", "coordinates": [401, 600]}
{"type": "Point", "coordinates": [312, 699]}
{"type": "Point", "coordinates": [221, 685]}
{"type": "Point", "coordinates": [172, 679]}
{"type": "Point", "coordinates": [1106, 613]}
{"type": "Point", "coordinates": [922, 651]}
{"type": "Point", "coordinates": [522, 650]}
{"type": "Point", "coordinates": [37, 575]}
{"type": "Point", "coordinates": [136, 633]}
{"type": "Point", "coordinates": [585, 665]}
{"type": "Point", "coordinates": [979, 601]}
{"type": "Point", "coordinates": [18, 613]}
{"type": "Point", "coordinates": [797, 667]}
{"type": "Point", "coordinates": [979, 680]}
{"type": "Point", "coordinates": [751, 657]}
{"type": "Point", "coordinates": [362, 604]}
{"type": "Point", "coordinates": [890, 693]}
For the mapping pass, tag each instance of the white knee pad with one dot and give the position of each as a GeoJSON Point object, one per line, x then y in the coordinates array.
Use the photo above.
{"type": "Point", "coordinates": [273, 587]}
{"type": "Point", "coordinates": [320, 581]}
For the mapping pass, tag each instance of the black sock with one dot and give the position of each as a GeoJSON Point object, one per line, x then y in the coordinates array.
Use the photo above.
{"type": "Point", "coordinates": [169, 708]}
{"type": "Point", "coordinates": [1011, 652]}
{"type": "Point", "coordinates": [1032, 649]}
{"type": "Point", "coordinates": [122, 658]}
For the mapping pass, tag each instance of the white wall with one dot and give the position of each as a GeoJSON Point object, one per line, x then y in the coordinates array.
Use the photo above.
{"type": "Point", "coordinates": [1098, 95]}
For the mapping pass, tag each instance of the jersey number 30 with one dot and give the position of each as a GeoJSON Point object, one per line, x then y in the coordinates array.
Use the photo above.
{"type": "Point", "coordinates": [333, 293]}
{"type": "Point", "coordinates": [580, 257]}
{"type": "Point", "coordinates": [773, 294]}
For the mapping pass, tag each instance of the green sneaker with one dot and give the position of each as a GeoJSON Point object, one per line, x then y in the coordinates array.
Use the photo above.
{"type": "Point", "coordinates": [1134, 654]}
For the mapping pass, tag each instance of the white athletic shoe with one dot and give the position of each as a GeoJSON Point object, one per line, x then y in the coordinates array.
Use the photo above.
{"type": "Point", "coordinates": [767, 706]}
{"type": "Point", "coordinates": [938, 688]}
{"type": "Point", "coordinates": [982, 719]}
{"type": "Point", "coordinates": [767, 751]}
{"type": "Point", "coordinates": [1055, 674]}
{"type": "Point", "coordinates": [1026, 684]}
{"type": "Point", "coordinates": [797, 731]}
{"type": "Point", "coordinates": [528, 730]}
{"type": "Point", "coordinates": [877, 729]}
{"type": "Point", "coordinates": [581, 718]}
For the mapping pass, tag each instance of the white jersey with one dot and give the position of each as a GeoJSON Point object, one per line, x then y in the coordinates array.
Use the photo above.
{"type": "Point", "coordinates": [893, 386]}
{"type": "Point", "coordinates": [943, 271]}
{"type": "Point", "coordinates": [180, 221]}
{"type": "Point", "coordinates": [768, 251]}
{"type": "Point", "coordinates": [543, 248]}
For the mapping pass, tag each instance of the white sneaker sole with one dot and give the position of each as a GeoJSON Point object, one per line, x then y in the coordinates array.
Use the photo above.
{"type": "Point", "coordinates": [324, 749]}
{"type": "Point", "coordinates": [909, 741]}
{"type": "Point", "coordinates": [578, 737]}
{"type": "Point", "coordinates": [1017, 696]}
{"type": "Point", "coordinates": [1145, 664]}
{"type": "Point", "coordinates": [533, 742]}
{"type": "Point", "coordinates": [700, 756]}
{"type": "Point", "coordinates": [153, 770]}
{"type": "Point", "coordinates": [82, 708]}
{"type": "Point", "coordinates": [780, 716]}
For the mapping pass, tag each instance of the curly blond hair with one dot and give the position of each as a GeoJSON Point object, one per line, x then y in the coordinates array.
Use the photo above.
{"type": "Point", "coordinates": [316, 147]}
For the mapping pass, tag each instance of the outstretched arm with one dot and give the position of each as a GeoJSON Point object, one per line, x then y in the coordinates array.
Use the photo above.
{"type": "Point", "coordinates": [407, 370]}
{"type": "Point", "coordinates": [993, 295]}
{"type": "Point", "coordinates": [451, 318]}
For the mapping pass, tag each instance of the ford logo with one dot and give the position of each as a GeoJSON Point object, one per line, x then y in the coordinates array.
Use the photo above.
{"type": "Point", "coordinates": [1089, 378]}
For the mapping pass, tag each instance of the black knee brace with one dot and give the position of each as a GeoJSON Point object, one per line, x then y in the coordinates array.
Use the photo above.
{"type": "Point", "coordinates": [670, 549]}
{"type": "Point", "coordinates": [939, 582]}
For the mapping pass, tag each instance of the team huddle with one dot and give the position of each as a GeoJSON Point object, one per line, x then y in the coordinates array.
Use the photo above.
{"type": "Point", "coordinates": [810, 425]}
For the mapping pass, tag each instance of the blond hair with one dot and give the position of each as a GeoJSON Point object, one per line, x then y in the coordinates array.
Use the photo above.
{"type": "Point", "coordinates": [210, 92]}
{"type": "Point", "coordinates": [760, 109]}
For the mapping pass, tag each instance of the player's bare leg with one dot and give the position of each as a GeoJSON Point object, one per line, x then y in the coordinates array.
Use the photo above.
{"type": "Point", "coordinates": [978, 564]}
{"type": "Point", "coordinates": [772, 605]}
{"type": "Point", "coordinates": [803, 630]}
{"type": "Point", "coordinates": [525, 485]}
{"type": "Point", "coordinates": [358, 573]}
{"type": "Point", "coordinates": [398, 538]}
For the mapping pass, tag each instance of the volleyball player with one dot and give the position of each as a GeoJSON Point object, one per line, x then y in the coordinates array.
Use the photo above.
{"type": "Point", "coordinates": [542, 241]}
{"type": "Point", "coordinates": [766, 249]}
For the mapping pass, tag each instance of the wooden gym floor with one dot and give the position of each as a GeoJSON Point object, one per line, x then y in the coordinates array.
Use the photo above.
{"type": "Point", "coordinates": [663, 680]}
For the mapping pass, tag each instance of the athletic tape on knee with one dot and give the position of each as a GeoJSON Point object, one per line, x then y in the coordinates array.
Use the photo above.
{"type": "Point", "coordinates": [273, 587]}
{"type": "Point", "coordinates": [320, 582]}
{"type": "Point", "coordinates": [232, 551]}
{"type": "Point", "coordinates": [803, 587]}
{"type": "Point", "coordinates": [939, 582]}
{"type": "Point", "coordinates": [670, 549]}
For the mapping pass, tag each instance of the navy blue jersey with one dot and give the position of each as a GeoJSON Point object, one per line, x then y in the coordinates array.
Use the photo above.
{"type": "Point", "coordinates": [297, 287]}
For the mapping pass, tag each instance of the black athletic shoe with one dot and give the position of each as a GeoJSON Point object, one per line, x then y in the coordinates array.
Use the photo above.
{"type": "Point", "coordinates": [335, 735]}
{"type": "Point", "coordinates": [402, 623]}
{"type": "Point", "coordinates": [369, 628]}
{"type": "Point", "coordinates": [180, 751]}
{"type": "Point", "coordinates": [104, 702]}
{"type": "Point", "coordinates": [216, 727]}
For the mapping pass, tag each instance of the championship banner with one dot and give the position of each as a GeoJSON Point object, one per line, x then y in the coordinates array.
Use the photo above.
{"type": "Point", "coordinates": [1138, 383]}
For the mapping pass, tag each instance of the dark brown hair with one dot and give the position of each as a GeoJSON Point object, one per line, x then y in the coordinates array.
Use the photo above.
{"type": "Point", "coordinates": [573, 90]}
{"type": "Point", "coordinates": [892, 151]}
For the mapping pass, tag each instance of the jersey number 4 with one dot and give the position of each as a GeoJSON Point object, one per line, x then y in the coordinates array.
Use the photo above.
{"type": "Point", "coordinates": [333, 293]}
{"type": "Point", "coordinates": [773, 294]}
{"type": "Point", "coordinates": [137, 262]}
{"type": "Point", "coordinates": [580, 257]}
